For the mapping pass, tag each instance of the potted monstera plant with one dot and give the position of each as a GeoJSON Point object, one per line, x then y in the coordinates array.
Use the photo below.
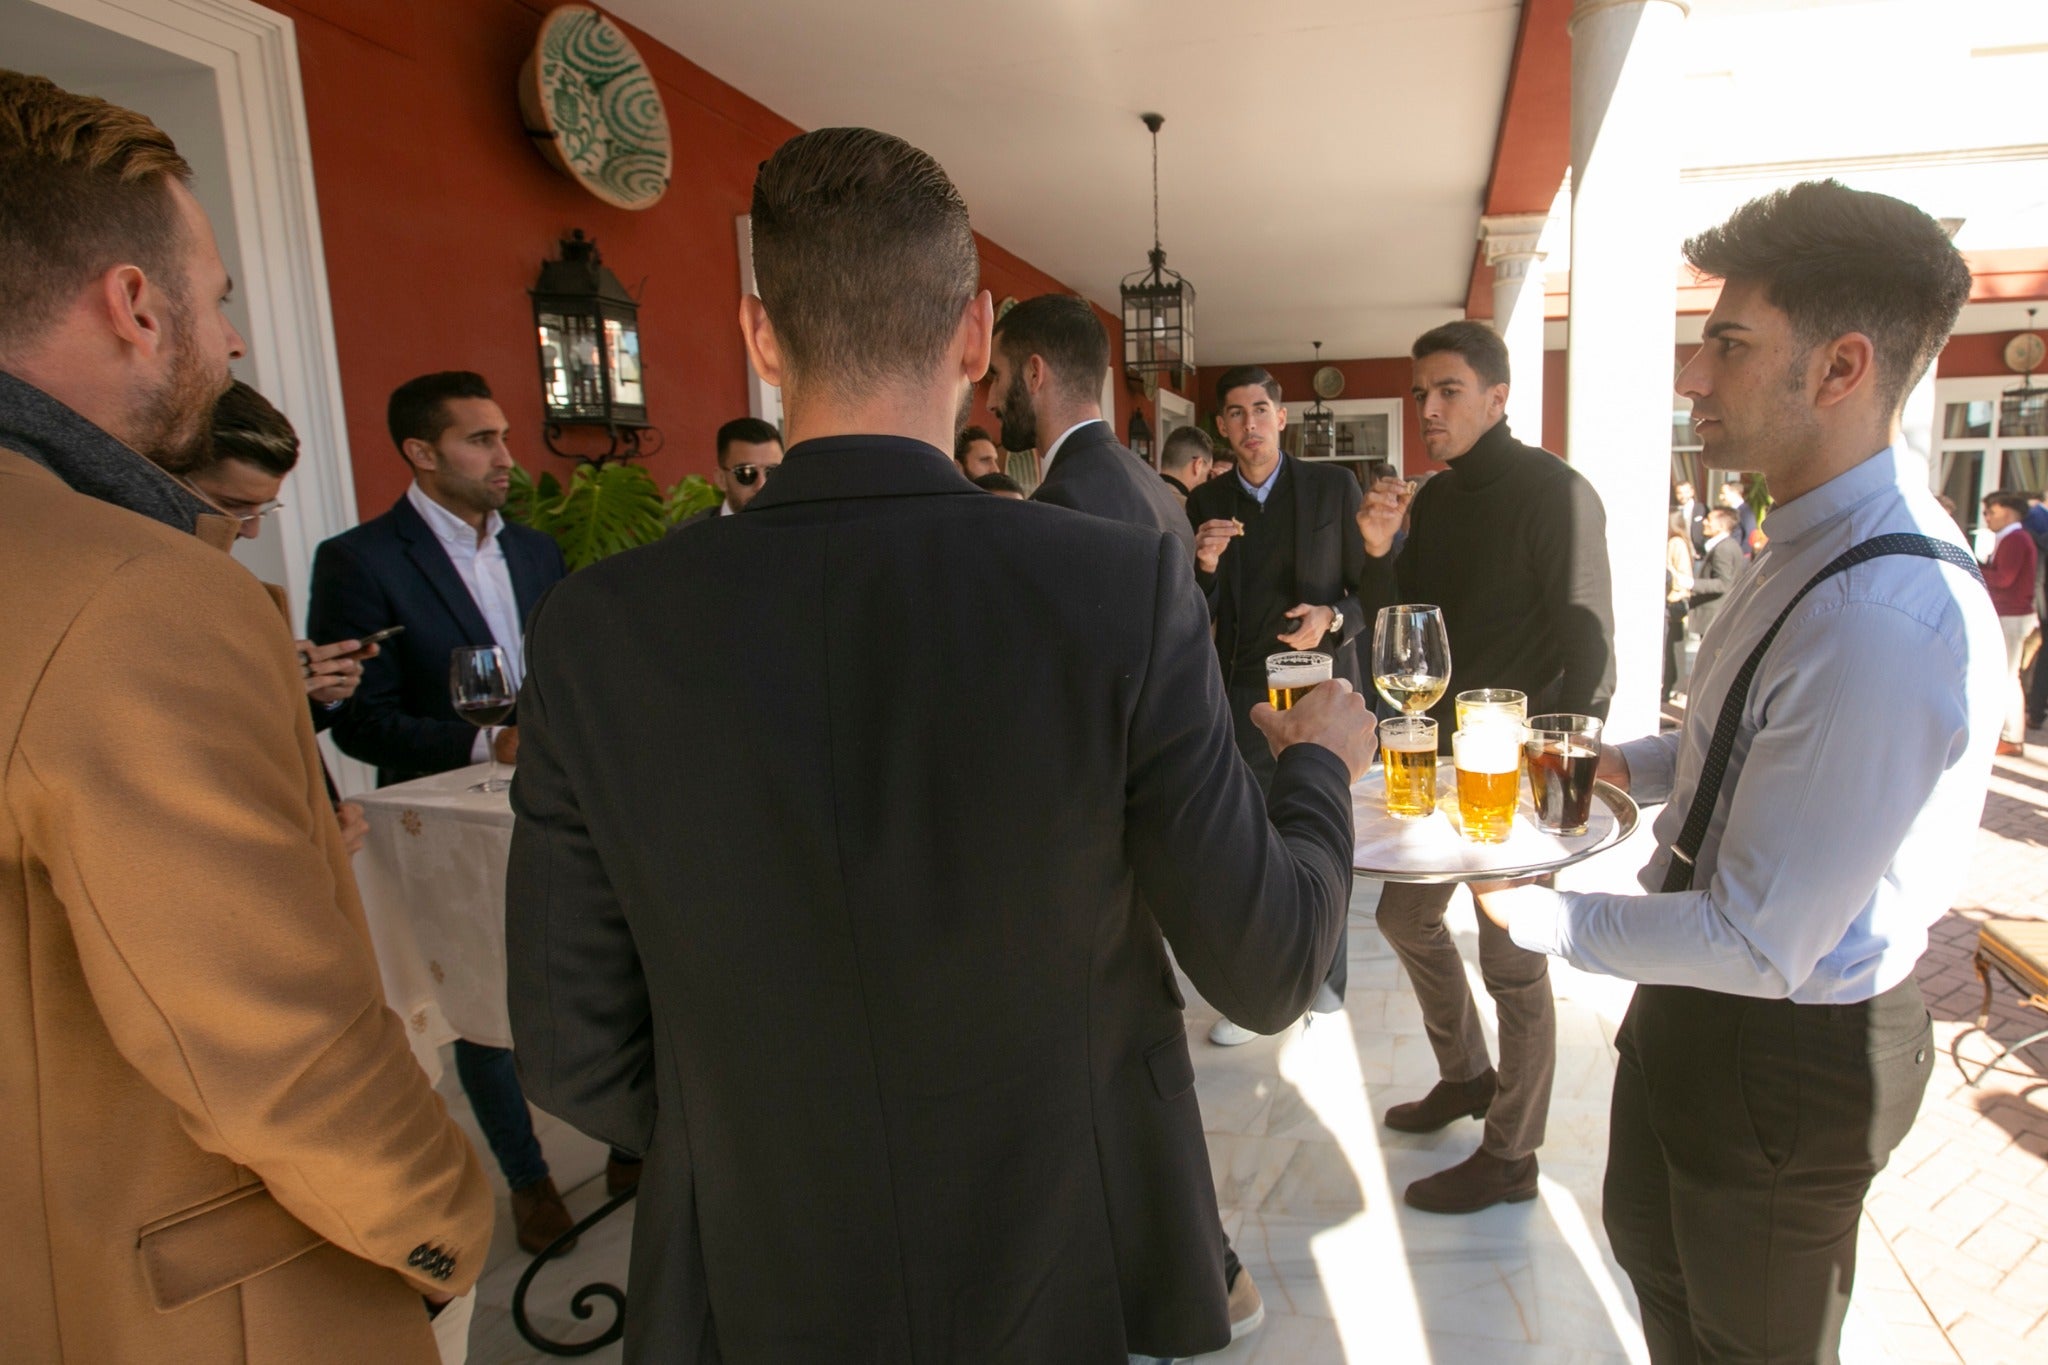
{"type": "Point", "coordinates": [604, 508]}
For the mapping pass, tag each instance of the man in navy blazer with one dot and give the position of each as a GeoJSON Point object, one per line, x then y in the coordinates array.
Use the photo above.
{"type": "Point", "coordinates": [445, 565]}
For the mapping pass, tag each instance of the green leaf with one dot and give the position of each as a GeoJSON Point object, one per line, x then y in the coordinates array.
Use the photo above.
{"type": "Point", "coordinates": [607, 508]}
{"type": "Point", "coordinates": [693, 494]}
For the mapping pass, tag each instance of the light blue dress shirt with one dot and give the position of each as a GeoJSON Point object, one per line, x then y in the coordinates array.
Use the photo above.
{"type": "Point", "coordinates": [1852, 800]}
{"type": "Point", "coordinates": [1261, 491]}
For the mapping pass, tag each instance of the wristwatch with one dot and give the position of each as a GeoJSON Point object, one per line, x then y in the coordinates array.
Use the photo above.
{"type": "Point", "coordinates": [1336, 622]}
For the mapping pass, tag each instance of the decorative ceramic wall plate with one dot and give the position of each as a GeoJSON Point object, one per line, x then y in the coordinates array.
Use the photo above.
{"type": "Point", "coordinates": [593, 109]}
{"type": "Point", "coordinates": [1328, 382]}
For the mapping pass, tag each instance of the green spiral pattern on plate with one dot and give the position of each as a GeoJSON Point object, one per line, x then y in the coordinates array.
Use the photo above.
{"type": "Point", "coordinates": [606, 109]}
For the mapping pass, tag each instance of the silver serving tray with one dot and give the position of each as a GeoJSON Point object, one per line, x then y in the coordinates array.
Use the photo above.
{"type": "Point", "coordinates": [1434, 849]}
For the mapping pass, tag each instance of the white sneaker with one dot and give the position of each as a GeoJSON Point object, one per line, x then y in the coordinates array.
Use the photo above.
{"type": "Point", "coordinates": [1223, 1033]}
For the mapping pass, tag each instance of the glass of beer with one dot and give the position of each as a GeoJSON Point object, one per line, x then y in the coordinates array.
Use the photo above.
{"type": "Point", "coordinates": [1408, 753]}
{"type": "Point", "coordinates": [1485, 705]}
{"type": "Point", "coordinates": [1564, 755]}
{"type": "Point", "coordinates": [1290, 677]}
{"type": "Point", "coordinates": [1411, 657]}
{"type": "Point", "coordinates": [1489, 763]}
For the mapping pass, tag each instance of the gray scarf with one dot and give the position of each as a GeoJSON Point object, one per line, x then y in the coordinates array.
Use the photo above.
{"type": "Point", "coordinates": [88, 459]}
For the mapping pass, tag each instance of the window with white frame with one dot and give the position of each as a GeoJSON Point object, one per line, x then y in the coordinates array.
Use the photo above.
{"type": "Point", "coordinates": [1984, 443]}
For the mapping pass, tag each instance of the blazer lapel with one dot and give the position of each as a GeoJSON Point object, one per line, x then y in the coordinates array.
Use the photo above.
{"type": "Point", "coordinates": [1306, 554]}
{"type": "Point", "coordinates": [425, 551]}
{"type": "Point", "coordinates": [525, 568]}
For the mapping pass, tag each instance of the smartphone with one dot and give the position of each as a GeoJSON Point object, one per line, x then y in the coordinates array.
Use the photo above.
{"type": "Point", "coordinates": [377, 637]}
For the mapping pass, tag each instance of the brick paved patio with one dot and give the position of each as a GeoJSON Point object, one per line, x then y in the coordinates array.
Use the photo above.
{"type": "Point", "coordinates": [1964, 1205]}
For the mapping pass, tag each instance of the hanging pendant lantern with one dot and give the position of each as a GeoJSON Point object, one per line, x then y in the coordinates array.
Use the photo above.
{"type": "Point", "coordinates": [1158, 304]}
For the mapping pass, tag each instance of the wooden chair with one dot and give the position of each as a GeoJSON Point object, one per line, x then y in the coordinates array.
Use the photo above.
{"type": "Point", "coordinates": [2017, 949]}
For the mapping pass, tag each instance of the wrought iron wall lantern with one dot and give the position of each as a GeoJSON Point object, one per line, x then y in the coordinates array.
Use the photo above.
{"type": "Point", "coordinates": [588, 329]}
{"type": "Point", "coordinates": [1138, 435]}
{"type": "Point", "coordinates": [1158, 304]}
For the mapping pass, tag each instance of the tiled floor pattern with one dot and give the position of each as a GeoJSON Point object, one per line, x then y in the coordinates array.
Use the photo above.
{"type": "Point", "coordinates": [1954, 1266]}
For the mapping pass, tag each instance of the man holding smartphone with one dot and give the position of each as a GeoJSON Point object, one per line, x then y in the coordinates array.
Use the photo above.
{"type": "Point", "coordinates": [444, 564]}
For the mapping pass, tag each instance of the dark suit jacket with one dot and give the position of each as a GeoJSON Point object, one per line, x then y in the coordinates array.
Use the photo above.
{"type": "Point", "coordinates": [1712, 577]}
{"type": "Point", "coordinates": [911, 1086]}
{"type": "Point", "coordinates": [1097, 474]}
{"type": "Point", "coordinates": [392, 571]}
{"type": "Point", "coordinates": [1329, 553]}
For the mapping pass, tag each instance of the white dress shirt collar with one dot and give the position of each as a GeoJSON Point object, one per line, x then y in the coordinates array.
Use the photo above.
{"type": "Point", "coordinates": [1714, 540]}
{"type": "Point", "coordinates": [1054, 449]}
{"type": "Point", "coordinates": [2009, 529]}
{"type": "Point", "coordinates": [449, 528]}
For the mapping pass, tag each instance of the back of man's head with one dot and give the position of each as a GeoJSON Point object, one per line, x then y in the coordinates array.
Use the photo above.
{"type": "Point", "coordinates": [248, 427]}
{"type": "Point", "coordinates": [1184, 446]}
{"type": "Point", "coordinates": [84, 187]}
{"type": "Point", "coordinates": [1835, 261]}
{"type": "Point", "coordinates": [1478, 344]}
{"type": "Point", "coordinates": [1002, 485]}
{"type": "Point", "coordinates": [418, 410]}
{"type": "Point", "coordinates": [863, 258]}
{"type": "Point", "coordinates": [751, 430]}
{"type": "Point", "coordinates": [1720, 521]}
{"type": "Point", "coordinates": [1064, 332]}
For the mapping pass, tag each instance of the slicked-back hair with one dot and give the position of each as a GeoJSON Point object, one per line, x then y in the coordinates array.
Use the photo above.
{"type": "Point", "coordinates": [1837, 260]}
{"type": "Point", "coordinates": [1237, 376]}
{"type": "Point", "coordinates": [1064, 332]}
{"type": "Point", "coordinates": [418, 410]}
{"type": "Point", "coordinates": [1481, 347]}
{"type": "Point", "coordinates": [1185, 445]}
{"type": "Point", "coordinates": [2015, 503]}
{"type": "Point", "coordinates": [247, 427]}
{"type": "Point", "coordinates": [84, 187]}
{"type": "Point", "coordinates": [863, 257]}
{"type": "Point", "coordinates": [964, 442]}
{"type": "Point", "coordinates": [752, 430]}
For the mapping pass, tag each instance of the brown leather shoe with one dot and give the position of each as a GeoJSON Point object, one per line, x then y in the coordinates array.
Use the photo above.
{"type": "Point", "coordinates": [1478, 1182]}
{"type": "Point", "coordinates": [540, 1215]}
{"type": "Point", "coordinates": [620, 1176]}
{"type": "Point", "coordinates": [1445, 1104]}
{"type": "Point", "coordinates": [2010, 749]}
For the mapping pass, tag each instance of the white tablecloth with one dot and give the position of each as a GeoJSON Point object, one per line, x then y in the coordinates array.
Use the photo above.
{"type": "Point", "coordinates": [432, 874]}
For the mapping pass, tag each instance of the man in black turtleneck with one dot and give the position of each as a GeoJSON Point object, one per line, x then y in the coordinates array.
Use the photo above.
{"type": "Point", "coordinates": [1512, 543]}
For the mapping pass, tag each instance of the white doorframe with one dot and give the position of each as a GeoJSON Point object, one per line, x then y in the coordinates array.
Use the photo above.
{"type": "Point", "coordinates": [254, 55]}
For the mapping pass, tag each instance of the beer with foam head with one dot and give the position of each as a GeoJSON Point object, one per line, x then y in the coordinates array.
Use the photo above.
{"type": "Point", "coordinates": [1408, 755]}
{"type": "Point", "coordinates": [1290, 677]}
{"type": "Point", "coordinates": [1489, 763]}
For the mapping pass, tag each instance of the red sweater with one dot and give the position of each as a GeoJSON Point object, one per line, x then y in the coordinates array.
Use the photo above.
{"type": "Point", "coordinates": [2010, 573]}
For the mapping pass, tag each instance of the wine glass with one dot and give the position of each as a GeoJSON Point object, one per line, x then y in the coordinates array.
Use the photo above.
{"type": "Point", "coordinates": [480, 684]}
{"type": "Point", "coordinates": [1411, 657]}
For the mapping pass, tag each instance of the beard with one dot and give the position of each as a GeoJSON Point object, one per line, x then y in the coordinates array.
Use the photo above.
{"type": "Point", "coordinates": [1020, 428]}
{"type": "Point", "coordinates": [174, 425]}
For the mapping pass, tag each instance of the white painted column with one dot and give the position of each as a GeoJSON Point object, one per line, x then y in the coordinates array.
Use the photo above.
{"type": "Point", "coordinates": [1624, 297]}
{"type": "Point", "coordinates": [1510, 241]}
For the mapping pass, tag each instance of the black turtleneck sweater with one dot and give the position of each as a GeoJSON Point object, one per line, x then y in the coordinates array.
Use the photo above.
{"type": "Point", "coordinates": [1512, 543]}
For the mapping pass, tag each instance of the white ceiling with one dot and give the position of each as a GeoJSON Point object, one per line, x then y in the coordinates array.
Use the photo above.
{"type": "Point", "coordinates": [1320, 172]}
{"type": "Point", "coordinates": [1323, 161]}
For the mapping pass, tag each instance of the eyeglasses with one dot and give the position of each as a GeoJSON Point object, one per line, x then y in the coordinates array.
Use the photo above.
{"type": "Point", "coordinates": [747, 475]}
{"type": "Point", "coordinates": [253, 514]}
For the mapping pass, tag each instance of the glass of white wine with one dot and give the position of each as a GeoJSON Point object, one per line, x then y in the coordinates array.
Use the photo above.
{"type": "Point", "coordinates": [1411, 657]}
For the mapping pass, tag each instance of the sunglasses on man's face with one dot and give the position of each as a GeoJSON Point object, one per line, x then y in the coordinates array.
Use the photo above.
{"type": "Point", "coordinates": [747, 475]}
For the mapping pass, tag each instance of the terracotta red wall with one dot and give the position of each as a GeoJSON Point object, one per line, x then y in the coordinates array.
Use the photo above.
{"type": "Point", "coordinates": [437, 213]}
{"type": "Point", "coordinates": [1975, 356]}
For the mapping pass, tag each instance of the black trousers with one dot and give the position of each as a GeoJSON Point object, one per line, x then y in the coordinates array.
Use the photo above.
{"type": "Point", "coordinates": [1743, 1137]}
{"type": "Point", "coordinates": [1258, 756]}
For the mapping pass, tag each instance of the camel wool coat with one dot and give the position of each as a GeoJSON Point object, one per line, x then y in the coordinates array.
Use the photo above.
{"type": "Point", "coordinates": [215, 1145]}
